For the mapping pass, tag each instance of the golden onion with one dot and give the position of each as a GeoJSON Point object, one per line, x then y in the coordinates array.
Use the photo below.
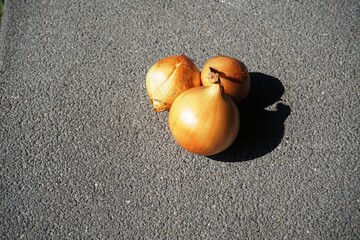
{"type": "Point", "coordinates": [233, 75]}
{"type": "Point", "coordinates": [169, 77]}
{"type": "Point", "coordinates": [204, 120]}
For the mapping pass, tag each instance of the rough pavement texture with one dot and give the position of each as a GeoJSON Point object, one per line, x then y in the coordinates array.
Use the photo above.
{"type": "Point", "coordinates": [83, 156]}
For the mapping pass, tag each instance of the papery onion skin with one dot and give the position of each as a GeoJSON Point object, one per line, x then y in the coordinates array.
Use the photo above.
{"type": "Point", "coordinates": [233, 73]}
{"type": "Point", "coordinates": [204, 120]}
{"type": "Point", "coordinates": [169, 77]}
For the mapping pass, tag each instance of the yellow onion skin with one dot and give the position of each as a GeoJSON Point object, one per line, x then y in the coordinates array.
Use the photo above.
{"type": "Point", "coordinates": [169, 77]}
{"type": "Point", "coordinates": [233, 75]}
{"type": "Point", "coordinates": [204, 120]}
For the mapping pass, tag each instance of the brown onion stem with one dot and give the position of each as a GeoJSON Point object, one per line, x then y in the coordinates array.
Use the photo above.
{"type": "Point", "coordinates": [214, 78]}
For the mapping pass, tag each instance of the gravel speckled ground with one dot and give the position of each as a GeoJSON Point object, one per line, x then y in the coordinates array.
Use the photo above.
{"type": "Point", "coordinates": [84, 156]}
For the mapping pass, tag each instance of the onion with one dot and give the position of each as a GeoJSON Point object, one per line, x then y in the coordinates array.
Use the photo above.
{"type": "Point", "coordinates": [204, 120]}
{"type": "Point", "coordinates": [233, 75]}
{"type": "Point", "coordinates": [169, 77]}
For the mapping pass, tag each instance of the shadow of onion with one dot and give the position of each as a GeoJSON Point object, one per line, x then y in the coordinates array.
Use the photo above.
{"type": "Point", "coordinates": [261, 130]}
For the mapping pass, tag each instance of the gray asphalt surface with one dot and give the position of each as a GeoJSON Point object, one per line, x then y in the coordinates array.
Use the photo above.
{"type": "Point", "coordinates": [83, 156]}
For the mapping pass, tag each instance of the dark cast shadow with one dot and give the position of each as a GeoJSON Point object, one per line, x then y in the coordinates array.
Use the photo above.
{"type": "Point", "coordinates": [261, 129]}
